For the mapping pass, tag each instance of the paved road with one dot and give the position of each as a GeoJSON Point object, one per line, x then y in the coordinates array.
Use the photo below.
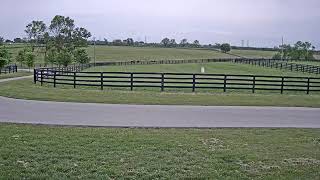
{"type": "Point", "coordinates": [16, 78]}
{"type": "Point", "coordinates": [78, 114]}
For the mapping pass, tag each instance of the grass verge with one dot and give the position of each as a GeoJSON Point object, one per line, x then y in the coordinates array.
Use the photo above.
{"type": "Point", "coordinates": [25, 89]}
{"type": "Point", "coordinates": [40, 152]}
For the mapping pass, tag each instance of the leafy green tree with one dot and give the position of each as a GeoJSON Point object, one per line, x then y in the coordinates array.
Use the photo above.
{"type": "Point", "coordinates": [20, 58]}
{"type": "Point", "coordinates": [165, 42]}
{"type": "Point", "coordinates": [81, 56]}
{"type": "Point", "coordinates": [300, 51]}
{"type": "Point", "coordinates": [130, 42]}
{"type": "Point", "coordinates": [1, 41]}
{"type": "Point", "coordinates": [80, 36]}
{"type": "Point", "coordinates": [35, 31]}
{"type": "Point", "coordinates": [173, 43]}
{"type": "Point", "coordinates": [225, 47]}
{"type": "Point", "coordinates": [184, 43]}
{"type": "Point", "coordinates": [64, 58]}
{"type": "Point", "coordinates": [29, 59]}
{"type": "Point", "coordinates": [5, 57]}
{"type": "Point", "coordinates": [196, 43]}
{"type": "Point", "coordinates": [51, 56]}
{"type": "Point", "coordinates": [61, 38]}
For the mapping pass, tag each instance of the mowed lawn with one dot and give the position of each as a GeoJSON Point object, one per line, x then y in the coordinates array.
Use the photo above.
{"type": "Point", "coordinates": [212, 68]}
{"type": "Point", "coordinates": [26, 89]}
{"type": "Point", "coordinates": [40, 152]}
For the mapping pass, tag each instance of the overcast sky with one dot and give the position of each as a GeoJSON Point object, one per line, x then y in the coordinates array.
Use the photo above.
{"type": "Point", "coordinates": [262, 22]}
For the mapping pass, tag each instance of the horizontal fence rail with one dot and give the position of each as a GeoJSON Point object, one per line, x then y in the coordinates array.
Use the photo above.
{"type": "Point", "coordinates": [163, 81]}
{"type": "Point", "coordinates": [281, 65]}
{"type": "Point", "coordinates": [9, 69]}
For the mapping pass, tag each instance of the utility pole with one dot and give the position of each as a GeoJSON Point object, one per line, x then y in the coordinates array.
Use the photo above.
{"type": "Point", "coordinates": [94, 51]}
{"type": "Point", "coordinates": [282, 48]}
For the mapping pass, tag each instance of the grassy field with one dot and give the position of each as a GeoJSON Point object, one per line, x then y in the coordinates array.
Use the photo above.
{"type": "Point", "coordinates": [12, 75]}
{"type": "Point", "coordinates": [122, 53]}
{"type": "Point", "coordinates": [40, 152]}
{"type": "Point", "coordinates": [306, 62]}
{"type": "Point", "coordinates": [67, 94]}
{"type": "Point", "coordinates": [254, 53]}
{"type": "Point", "coordinates": [214, 68]}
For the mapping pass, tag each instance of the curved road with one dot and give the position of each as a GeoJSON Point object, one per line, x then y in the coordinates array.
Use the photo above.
{"type": "Point", "coordinates": [106, 115]}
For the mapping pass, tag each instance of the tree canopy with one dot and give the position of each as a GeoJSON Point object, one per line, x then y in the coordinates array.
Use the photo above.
{"type": "Point", "coordinates": [225, 47]}
{"type": "Point", "coordinates": [61, 38]}
{"type": "Point", "coordinates": [299, 51]}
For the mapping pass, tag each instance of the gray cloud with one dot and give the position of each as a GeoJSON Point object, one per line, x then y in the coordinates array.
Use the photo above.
{"type": "Point", "coordinates": [210, 21]}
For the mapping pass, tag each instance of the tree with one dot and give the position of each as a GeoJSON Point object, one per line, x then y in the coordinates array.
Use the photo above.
{"type": "Point", "coordinates": [17, 40]}
{"type": "Point", "coordinates": [80, 36]}
{"type": "Point", "coordinates": [165, 42]}
{"type": "Point", "coordinates": [61, 39]}
{"type": "Point", "coordinates": [51, 56]}
{"type": "Point", "coordinates": [225, 47]}
{"type": "Point", "coordinates": [81, 56]}
{"type": "Point", "coordinates": [5, 57]}
{"type": "Point", "coordinates": [35, 31]}
{"type": "Point", "coordinates": [300, 51]}
{"type": "Point", "coordinates": [173, 43]}
{"type": "Point", "coordinates": [1, 41]}
{"type": "Point", "coordinates": [29, 59]}
{"type": "Point", "coordinates": [184, 43]}
{"type": "Point", "coordinates": [64, 58]}
{"type": "Point", "coordinates": [20, 58]}
{"type": "Point", "coordinates": [196, 43]}
{"type": "Point", "coordinates": [130, 42]}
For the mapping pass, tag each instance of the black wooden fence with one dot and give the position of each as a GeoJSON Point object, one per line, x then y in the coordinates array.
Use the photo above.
{"type": "Point", "coordinates": [9, 69]}
{"type": "Point", "coordinates": [281, 65]}
{"type": "Point", "coordinates": [164, 81]}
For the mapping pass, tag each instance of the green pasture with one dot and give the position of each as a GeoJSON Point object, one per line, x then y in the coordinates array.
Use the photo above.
{"type": "Point", "coordinates": [41, 152]}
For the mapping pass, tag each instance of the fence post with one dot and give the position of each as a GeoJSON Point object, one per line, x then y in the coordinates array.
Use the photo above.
{"type": "Point", "coordinates": [54, 79]}
{"type": "Point", "coordinates": [225, 83]}
{"type": "Point", "coordinates": [162, 81]}
{"type": "Point", "coordinates": [308, 87]}
{"type": "Point", "coordinates": [282, 83]}
{"type": "Point", "coordinates": [41, 77]}
{"type": "Point", "coordinates": [74, 80]}
{"type": "Point", "coordinates": [131, 78]}
{"type": "Point", "coordinates": [253, 84]}
{"type": "Point", "coordinates": [193, 82]}
{"type": "Point", "coordinates": [101, 78]}
{"type": "Point", "coordinates": [34, 76]}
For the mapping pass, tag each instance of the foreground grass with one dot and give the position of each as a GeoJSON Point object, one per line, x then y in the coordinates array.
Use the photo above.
{"type": "Point", "coordinates": [13, 75]}
{"type": "Point", "coordinates": [40, 152]}
{"type": "Point", "coordinates": [25, 89]}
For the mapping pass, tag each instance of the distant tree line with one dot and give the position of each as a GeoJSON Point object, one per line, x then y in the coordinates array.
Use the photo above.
{"type": "Point", "coordinates": [299, 51]}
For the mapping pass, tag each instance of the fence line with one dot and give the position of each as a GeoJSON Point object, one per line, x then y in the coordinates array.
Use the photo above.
{"type": "Point", "coordinates": [190, 81]}
{"type": "Point", "coordinates": [281, 65]}
{"type": "Point", "coordinates": [9, 69]}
